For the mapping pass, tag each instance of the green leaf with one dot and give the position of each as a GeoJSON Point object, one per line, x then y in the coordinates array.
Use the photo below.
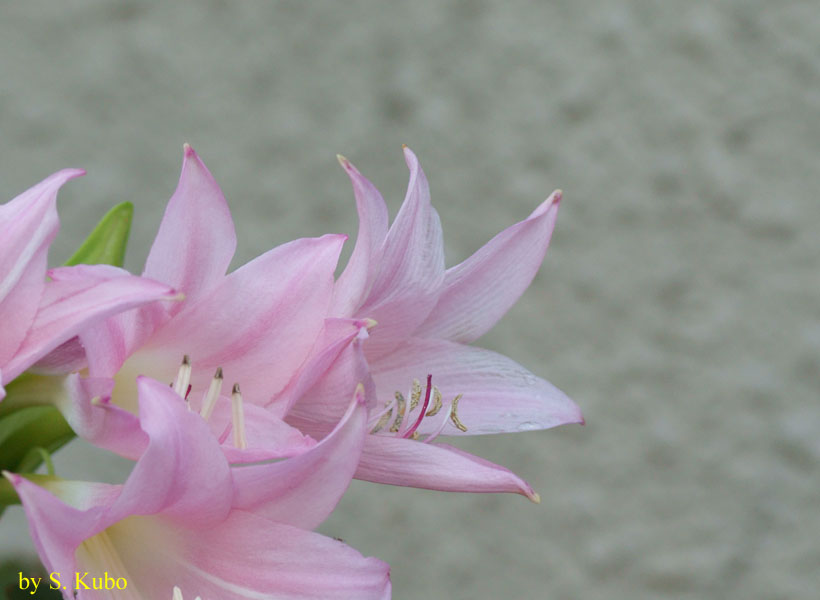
{"type": "Point", "coordinates": [27, 438]}
{"type": "Point", "coordinates": [24, 429]}
{"type": "Point", "coordinates": [106, 244]}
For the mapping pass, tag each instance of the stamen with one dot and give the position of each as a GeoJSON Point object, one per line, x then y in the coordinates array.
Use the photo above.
{"type": "Point", "coordinates": [441, 425]}
{"type": "Point", "coordinates": [415, 394]}
{"type": "Point", "coordinates": [383, 418]}
{"type": "Point", "coordinates": [436, 403]}
{"type": "Point", "coordinates": [404, 412]}
{"type": "Point", "coordinates": [238, 415]}
{"type": "Point", "coordinates": [412, 430]}
{"type": "Point", "coordinates": [212, 396]}
{"type": "Point", "coordinates": [402, 405]}
{"type": "Point", "coordinates": [182, 385]}
{"type": "Point", "coordinates": [454, 415]}
{"type": "Point", "coordinates": [178, 594]}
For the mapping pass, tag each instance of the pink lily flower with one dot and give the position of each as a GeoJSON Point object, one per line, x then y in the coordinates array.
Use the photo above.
{"type": "Point", "coordinates": [428, 379]}
{"type": "Point", "coordinates": [37, 315]}
{"type": "Point", "coordinates": [255, 325]}
{"type": "Point", "coordinates": [177, 524]}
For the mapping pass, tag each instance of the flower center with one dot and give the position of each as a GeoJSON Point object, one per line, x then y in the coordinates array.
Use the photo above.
{"type": "Point", "coordinates": [182, 386]}
{"type": "Point", "coordinates": [397, 416]}
{"type": "Point", "coordinates": [100, 555]}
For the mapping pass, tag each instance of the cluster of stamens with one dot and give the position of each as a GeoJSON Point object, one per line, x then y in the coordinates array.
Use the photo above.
{"type": "Point", "coordinates": [397, 415]}
{"type": "Point", "coordinates": [182, 386]}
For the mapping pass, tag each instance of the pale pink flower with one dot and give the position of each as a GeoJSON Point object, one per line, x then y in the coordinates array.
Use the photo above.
{"type": "Point", "coordinates": [185, 519]}
{"type": "Point", "coordinates": [428, 380]}
{"type": "Point", "coordinates": [36, 314]}
{"type": "Point", "coordinates": [256, 324]}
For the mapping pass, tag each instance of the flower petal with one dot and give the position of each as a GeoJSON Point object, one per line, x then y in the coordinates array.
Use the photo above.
{"type": "Point", "coordinates": [479, 291]}
{"type": "Point", "coordinates": [196, 239]}
{"type": "Point", "coordinates": [398, 461]}
{"type": "Point", "coordinates": [182, 472]}
{"type": "Point", "coordinates": [259, 323]}
{"type": "Point", "coordinates": [303, 490]}
{"type": "Point", "coordinates": [76, 297]}
{"type": "Point", "coordinates": [246, 557]}
{"type": "Point", "coordinates": [85, 405]}
{"type": "Point", "coordinates": [28, 224]}
{"type": "Point", "coordinates": [321, 407]}
{"type": "Point", "coordinates": [354, 283]}
{"type": "Point", "coordinates": [56, 527]}
{"type": "Point", "coordinates": [267, 436]}
{"type": "Point", "coordinates": [499, 395]}
{"type": "Point", "coordinates": [335, 338]}
{"type": "Point", "coordinates": [412, 267]}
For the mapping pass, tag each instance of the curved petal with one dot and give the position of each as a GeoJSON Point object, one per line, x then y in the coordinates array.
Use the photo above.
{"type": "Point", "coordinates": [498, 394]}
{"type": "Point", "coordinates": [398, 461]}
{"type": "Point", "coordinates": [245, 557]}
{"type": "Point", "coordinates": [303, 490]}
{"type": "Point", "coordinates": [182, 472]}
{"type": "Point", "coordinates": [336, 336]}
{"type": "Point", "coordinates": [28, 224]}
{"type": "Point", "coordinates": [85, 405]}
{"type": "Point", "coordinates": [75, 297]}
{"type": "Point", "coordinates": [354, 283]}
{"type": "Point", "coordinates": [56, 527]}
{"type": "Point", "coordinates": [319, 409]}
{"type": "Point", "coordinates": [267, 436]}
{"type": "Point", "coordinates": [412, 267]}
{"type": "Point", "coordinates": [259, 323]}
{"type": "Point", "coordinates": [196, 239]}
{"type": "Point", "coordinates": [479, 291]}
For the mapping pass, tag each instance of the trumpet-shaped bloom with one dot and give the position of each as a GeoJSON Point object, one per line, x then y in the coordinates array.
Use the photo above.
{"type": "Point", "coordinates": [429, 381]}
{"type": "Point", "coordinates": [256, 325]}
{"type": "Point", "coordinates": [38, 315]}
{"type": "Point", "coordinates": [185, 521]}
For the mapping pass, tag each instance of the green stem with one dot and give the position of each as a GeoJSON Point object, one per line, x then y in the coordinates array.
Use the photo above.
{"type": "Point", "coordinates": [30, 390]}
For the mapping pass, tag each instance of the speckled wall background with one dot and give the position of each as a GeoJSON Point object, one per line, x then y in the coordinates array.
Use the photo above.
{"type": "Point", "coordinates": [679, 304]}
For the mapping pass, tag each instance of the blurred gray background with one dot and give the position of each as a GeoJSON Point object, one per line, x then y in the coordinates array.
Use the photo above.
{"type": "Point", "coordinates": [678, 304]}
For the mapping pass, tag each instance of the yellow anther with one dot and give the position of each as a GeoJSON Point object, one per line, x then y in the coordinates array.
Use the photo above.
{"type": "Point", "coordinates": [401, 405]}
{"type": "Point", "coordinates": [415, 394]}
{"type": "Point", "coordinates": [454, 414]}
{"type": "Point", "coordinates": [436, 403]}
{"type": "Point", "coordinates": [384, 420]}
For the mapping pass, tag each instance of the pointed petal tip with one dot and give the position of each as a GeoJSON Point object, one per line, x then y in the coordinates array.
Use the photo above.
{"type": "Point", "coordinates": [71, 173]}
{"type": "Point", "coordinates": [187, 151]}
{"type": "Point", "coordinates": [13, 478]}
{"type": "Point", "coordinates": [343, 161]}
{"type": "Point", "coordinates": [557, 196]}
{"type": "Point", "coordinates": [409, 155]}
{"type": "Point", "coordinates": [534, 497]}
{"type": "Point", "coordinates": [359, 394]}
